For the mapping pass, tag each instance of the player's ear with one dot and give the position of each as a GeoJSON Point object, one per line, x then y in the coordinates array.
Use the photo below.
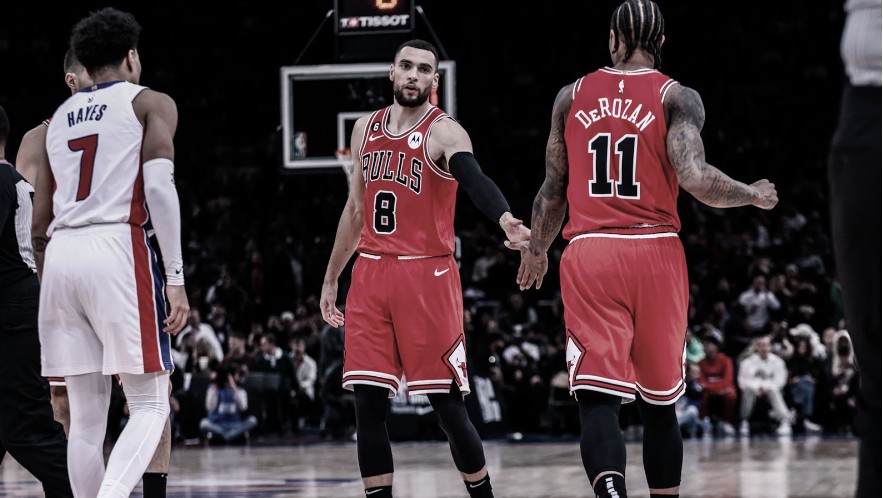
{"type": "Point", "coordinates": [435, 81]}
{"type": "Point", "coordinates": [392, 70]}
{"type": "Point", "coordinates": [662, 41]}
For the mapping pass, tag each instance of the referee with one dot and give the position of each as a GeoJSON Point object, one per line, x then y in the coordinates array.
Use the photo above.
{"type": "Point", "coordinates": [27, 429]}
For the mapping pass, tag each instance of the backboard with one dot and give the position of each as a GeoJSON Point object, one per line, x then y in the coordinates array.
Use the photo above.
{"type": "Point", "coordinates": [321, 103]}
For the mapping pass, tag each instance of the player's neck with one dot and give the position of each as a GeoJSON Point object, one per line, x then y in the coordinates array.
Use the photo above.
{"type": "Point", "coordinates": [107, 76]}
{"type": "Point", "coordinates": [402, 118]}
{"type": "Point", "coordinates": [639, 60]}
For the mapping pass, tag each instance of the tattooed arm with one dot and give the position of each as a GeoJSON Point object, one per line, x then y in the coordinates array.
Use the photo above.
{"type": "Point", "coordinates": [550, 204]}
{"type": "Point", "coordinates": [709, 185]}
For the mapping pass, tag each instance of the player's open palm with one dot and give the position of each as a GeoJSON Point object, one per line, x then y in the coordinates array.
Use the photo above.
{"type": "Point", "coordinates": [768, 197]}
{"type": "Point", "coordinates": [328, 304]}
{"type": "Point", "coordinates": [179, 309]}
{"type": "Point", "coordinates": [515, 230]}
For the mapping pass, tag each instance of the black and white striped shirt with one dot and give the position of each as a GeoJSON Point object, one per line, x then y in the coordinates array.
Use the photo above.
{"type": "Point", "coordinates": [860, 46]}
{"type": "Point", "coordinates": [16, 206]}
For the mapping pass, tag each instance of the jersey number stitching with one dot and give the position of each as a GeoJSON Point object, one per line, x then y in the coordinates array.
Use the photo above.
{"type": "Point", "coordinates": [88, 145]}
{"type": "Point", "coordinates": [384, 212]}
{"type": "Point", "coordinates": [627, 149]}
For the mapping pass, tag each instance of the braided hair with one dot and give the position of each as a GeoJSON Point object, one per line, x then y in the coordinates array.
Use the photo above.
{"type": "Point", "coordinates": [640, 24]}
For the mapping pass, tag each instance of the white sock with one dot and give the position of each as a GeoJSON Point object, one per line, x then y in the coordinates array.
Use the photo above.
{"type": "Point", "coordinates": [148, 398]}
{"type": "Point", "coordinates": [89, 397]}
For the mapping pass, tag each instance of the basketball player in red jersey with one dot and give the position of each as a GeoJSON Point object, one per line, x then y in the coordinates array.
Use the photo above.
{"type": "Point", "coordinates": [405, 304]}
{"type": "Point", "coordinates": [622, 140]}
{"type": "Point", "coordinates": [31, 157]}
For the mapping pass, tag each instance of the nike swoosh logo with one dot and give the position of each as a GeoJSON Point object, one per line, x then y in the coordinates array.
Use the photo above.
{"type": "Point", "coordinates": [374, 137]}
{"type": "Point", "coordinates": [439, 273]}
{"type": "Point", "coordinates": [372, 492]}
{"type": "Point", "coordinates": [477, 484]}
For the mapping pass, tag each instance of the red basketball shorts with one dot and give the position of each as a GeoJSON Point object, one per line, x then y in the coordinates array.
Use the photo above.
{"type": "Point", "coordinates": [405, 316]}
{"type": "Point", "coordinates": [625, 309]}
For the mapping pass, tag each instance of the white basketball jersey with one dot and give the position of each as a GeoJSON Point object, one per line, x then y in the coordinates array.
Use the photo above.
{"type": "Point", "coordinates": [94, 144]}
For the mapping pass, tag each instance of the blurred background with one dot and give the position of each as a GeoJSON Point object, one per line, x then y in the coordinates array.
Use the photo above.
{"type": "Point", "coordinates": [257, 235]}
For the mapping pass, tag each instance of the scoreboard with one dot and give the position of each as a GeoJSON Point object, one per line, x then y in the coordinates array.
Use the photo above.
{"type": "Point", "coordinates": [361, 17]}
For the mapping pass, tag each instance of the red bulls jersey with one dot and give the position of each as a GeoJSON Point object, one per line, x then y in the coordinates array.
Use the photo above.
{"type": "Point", "coordinates": [409, 200]}
{"type": "Point", "coordinates": [620, 178]}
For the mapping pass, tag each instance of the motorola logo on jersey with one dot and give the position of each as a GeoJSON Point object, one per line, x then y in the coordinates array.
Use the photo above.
{"type": "Point", "coordinates": [378, 166]}
{"type": "Point", "coordinates": [415, 140]}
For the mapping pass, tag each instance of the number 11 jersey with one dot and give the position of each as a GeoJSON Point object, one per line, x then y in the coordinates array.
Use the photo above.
{"type": "Point", "coordinates": [94, 144]}
{"type": "Point", "coordinates": [620, 178]}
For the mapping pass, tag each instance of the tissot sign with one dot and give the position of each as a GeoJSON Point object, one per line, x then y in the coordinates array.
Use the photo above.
{"type": "Point", "coordinates": [358, 17]}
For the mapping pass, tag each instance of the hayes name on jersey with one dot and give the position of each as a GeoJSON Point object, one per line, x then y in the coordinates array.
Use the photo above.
{"type": "Point", "coordinates": [88, 113]}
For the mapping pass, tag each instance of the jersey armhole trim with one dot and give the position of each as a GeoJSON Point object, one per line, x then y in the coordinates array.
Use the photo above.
{"type": "Point", "coordinates": [576, 87]}
{"type": "Point", "coordinates": [434, 167]}
{"type": "Point", "coordinates": [665, 88]}
{"type": "Point", "coordinates": [367, 132]}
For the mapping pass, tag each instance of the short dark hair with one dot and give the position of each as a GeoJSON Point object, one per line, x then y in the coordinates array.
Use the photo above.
{"type": "Point", "coordinates": [71, 63]}
{"type": "Point", "coordinates": [419, 44]}
{"type": "Point", "coordinates": [640, 24]}
{"type": "Point", "coordinates": [104, 38]}
{"type": "Point", "coordinates": [4, 126]}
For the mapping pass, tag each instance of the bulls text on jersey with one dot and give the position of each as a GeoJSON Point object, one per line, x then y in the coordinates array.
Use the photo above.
{"type": "Point", "coordinates": [377, 166]}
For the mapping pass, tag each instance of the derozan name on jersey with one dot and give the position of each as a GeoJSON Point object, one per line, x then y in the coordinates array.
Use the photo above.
{"type": "Point", "coordinates": [373, 21]}
{"type": "Point", "coordinates": [619, 108]}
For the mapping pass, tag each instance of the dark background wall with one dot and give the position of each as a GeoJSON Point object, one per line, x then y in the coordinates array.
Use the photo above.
{"type": "Point", "coordinates": [769, 74]}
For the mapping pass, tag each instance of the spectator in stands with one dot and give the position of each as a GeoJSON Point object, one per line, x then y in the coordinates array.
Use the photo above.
{"type": "Point", "coordinates": [516, 315]}
{"type": "Point", "coordinates": [220, 322]}
{"type": "Point", "coordinates": [282, 387]}
{"type": "Point", "coordinates": [202, 360]}
{"type": "Point", "coordinates": [688, 406]}
{"type": "Point", "coordinates": [201, 331]}
{"type": "Point", "coordinates": [226, 403]}
{"type": "Point", "coordinates": [781, 340]}
{"type": "Point", "coordinates": [694, 349]}
{"type": "Point", "coordinates": [237, 355]}
{"type": "Point", "coordinates": [306, 372]}
{"type": "Point", "coordinates": [804, 371]}
{"type": "Point", "coordinates": [718, 387]}
{"type": "Point", "coordinates": [763, 375]}
{"type": "Point", "coordinates": [840, 386]}
{"type": "Point", "coordinates": [757, 302]}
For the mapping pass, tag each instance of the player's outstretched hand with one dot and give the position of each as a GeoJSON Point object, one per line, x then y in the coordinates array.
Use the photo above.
{"type": "Point", "coordinates": [330, 313]}
{"type": "Point", "coordinates": [532, 269]}
{"type": "Point", "coordinates": [179, 309]}
{"type": "Point", "coordinates": [514, 228]}
{"type": "Point", "coordinates": [767, 195]}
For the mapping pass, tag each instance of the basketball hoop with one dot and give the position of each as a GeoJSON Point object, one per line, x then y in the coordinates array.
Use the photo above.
{"type": "Point", "coordinates": [345, 159]}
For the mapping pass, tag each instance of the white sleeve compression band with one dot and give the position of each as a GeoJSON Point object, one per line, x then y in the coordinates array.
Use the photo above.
{"type": "Point", "coordinates": [165, 213]}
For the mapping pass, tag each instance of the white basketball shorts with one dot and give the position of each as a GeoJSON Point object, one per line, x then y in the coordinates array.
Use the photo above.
{"type": "Point", "coordinates": [102, 303]}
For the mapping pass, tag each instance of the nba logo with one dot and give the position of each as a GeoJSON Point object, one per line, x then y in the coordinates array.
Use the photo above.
{"type": "Point", "coordinates": [300, 144]}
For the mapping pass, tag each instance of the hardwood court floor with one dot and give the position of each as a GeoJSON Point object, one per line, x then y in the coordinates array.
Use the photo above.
{"type": "Point", "coordinates": [757, 468]}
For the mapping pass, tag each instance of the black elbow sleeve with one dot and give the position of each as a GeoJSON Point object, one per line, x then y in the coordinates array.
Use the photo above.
{"type": "Point", "coordinates": [481, 189]}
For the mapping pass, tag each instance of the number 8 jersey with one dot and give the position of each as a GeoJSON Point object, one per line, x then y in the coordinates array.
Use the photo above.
{"type": "Point", "coordinates": [620, 178]}
{"type": "Point", "coordinates": [94, 145]}
{"type": "Point", "coordinates": [409, 201]}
